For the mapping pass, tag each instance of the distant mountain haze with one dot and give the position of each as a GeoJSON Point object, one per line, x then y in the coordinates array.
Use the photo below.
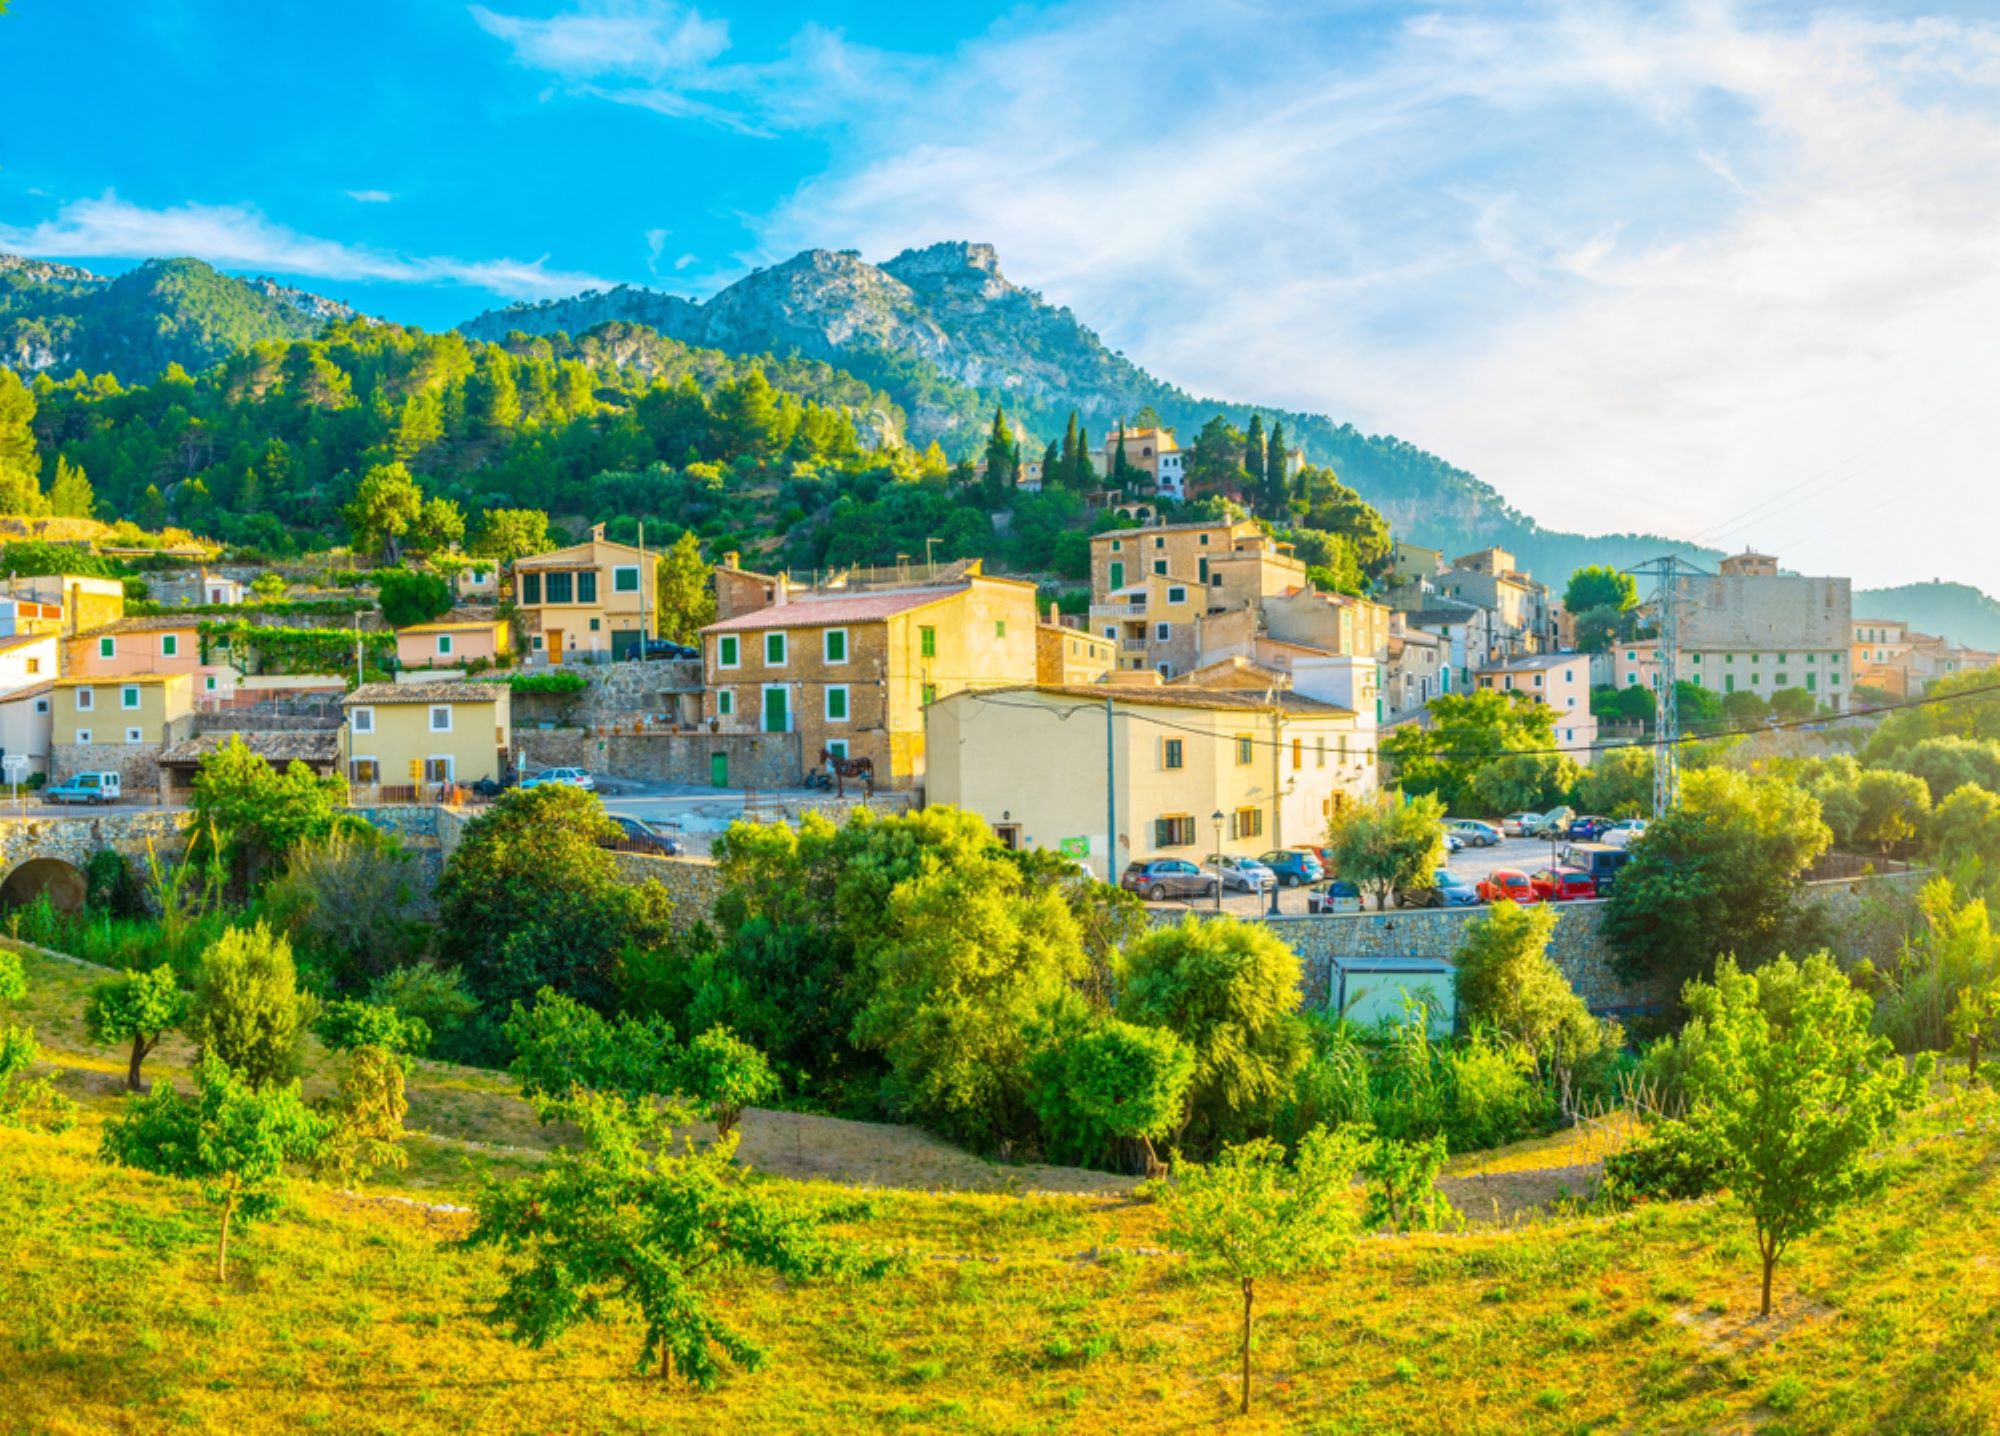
{"type": "Point", "coordinates": [939, 330]}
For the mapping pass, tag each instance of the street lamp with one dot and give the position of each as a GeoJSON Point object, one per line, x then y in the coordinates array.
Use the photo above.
{"type": "Point", "coordinates": [1217, 820]}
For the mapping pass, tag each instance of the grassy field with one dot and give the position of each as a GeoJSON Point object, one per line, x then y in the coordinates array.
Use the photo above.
{"type": "Point", "coordinates": [1018, 1310]}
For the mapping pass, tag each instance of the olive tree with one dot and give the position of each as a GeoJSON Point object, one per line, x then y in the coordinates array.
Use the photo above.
{"type": "Point", "coordinates": [138, 1008]}
{"type": "Point", "coordinates": [1388, 843]}
{"type": "Point", "coordinates": [1107, 1082]}
{"type": "Point", "coordinates": [724, 1074]}
{"type": "Point", "coordinates": [1793, 1090]}
{"type": "Point", "coordinates": [1246, 1217]}
{"type": "Point", "coordinates": [230, 1136]}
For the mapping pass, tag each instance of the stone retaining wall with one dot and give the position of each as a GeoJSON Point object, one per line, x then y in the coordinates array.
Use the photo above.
{"type": "Point", "coordinates": [756, 760]}
{"type": "Point", "coordinates": [537, 748]}
{"type": "Point", "coordinates": [693, 883]}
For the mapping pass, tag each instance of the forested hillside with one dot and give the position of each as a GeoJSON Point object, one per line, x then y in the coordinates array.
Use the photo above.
{"type": "Point", "coordinates": [1956, 611]}
{"type": "Point", "coordinates": [57, 318]}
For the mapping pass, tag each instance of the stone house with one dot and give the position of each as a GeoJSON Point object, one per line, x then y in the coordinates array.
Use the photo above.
{"type": "Point", "coordinates": [851, 673]}
{"type": "Point", "coordinates": [85, 602]}
{"type": "Point", "coordinates": [1072, 656]}
{"type": "Point", "coordinates": [590, 603]}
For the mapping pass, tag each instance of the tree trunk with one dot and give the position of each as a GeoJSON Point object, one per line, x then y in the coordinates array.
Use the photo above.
{"type": "Point", "coordinates": [222, 1247]}
{"type": "Point", "coordinates": [1249, 1285]}
{"type": "Point", "coordinates": [1770, 1262]}
{"type": "Point", "coordinates": [1972, 1053]}
{"type": "Point", "coordinates": [139, 1046]}
{"type": "Point", "coordinates": [666, 1361]}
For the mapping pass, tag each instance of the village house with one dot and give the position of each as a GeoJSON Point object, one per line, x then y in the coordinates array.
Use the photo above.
{"type": "Point", "coordinates": [1559, 682]}
{"type": "Point", "coordinates": [1068, 656]}
{"type": "Point", "coordinates": [1260, 769]}
{"type": "Point", "coordinates": [591, 603]}
{"type": "Point", "coordinates": [424, 737]}
{"type": "Point", "coordinates": [453, 643]}
{"type": "Point", "coordinates": [1415, 672]}
{"type": "Point", "coordinates": [21, 617]}
{"type": "Point", "coordinates": [1880, 654]}
{"type": "Point", "coordinates": [85, 603]}
{"type": "Point", "coordinates": [165, 643]}
{"type": "Point", "coordinates": [180, 763]}
{"type": "Point", "coordinates": [852, 672]}
{"type": "Point", "coordinates": [119, 724]}
{"type": "Point", "coordinates": [30, 658]}
{"type": "Point", "coordinates": [27, 728]}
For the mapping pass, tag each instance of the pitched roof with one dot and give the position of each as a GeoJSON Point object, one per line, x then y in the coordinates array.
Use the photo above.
{"type": "Point", "coordinates": [113, 681]}
{"type": "Point", "coordinates": [1174, 696]}
{"type": "Point", "coordinates": [581, 555]}
{"type": "Point", "coordinates": [307, 745]}
{"type": "Point", "coordinates": [20, 640]}
{"type": "Point", "coordinates": [829, 612]}
{"type": "Point", "coordinates": [461, 625]}
{"type": "Point", "coordinates": [146, 623]}
{"type": "Point", "coordinates": [443, 691]}
{"type": "Point", "coordinates": [1535, 662]}
{"type": "Point", "coordinates": [33, 690]}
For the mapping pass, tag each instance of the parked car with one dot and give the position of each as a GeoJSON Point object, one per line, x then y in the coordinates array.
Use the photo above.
{"type": "Point", "coordinates": [565, 777]}
{"type": "Point", "coordinates": [1293, 866]}
{"type": "Point", "coordinates": [1586, 829]}
{"type": "Point", "coordinates": [1473, 833]}
{"type": "Point", "coordinates": [1620, 835]}
{"type": "Point", "coordinates": [1447, 889]}
{"type": "Point", "coordinates": [492, 787]}
{"type": "Point", "coordinates": [1453, 843]}
{"type": "Point", "coordinates": [1520, 825]}
{"type": "Point", "coordinates": [667, 648]}
{"type": "Point", "coordinates": [1334, 897]}
{"type": "Point", "coordinates": [1165, 878]}
{"type": "Point", "coordinates": [639, 836]}
{"type": "Point", "coordinates": [85, 788]}
{"type": "Point", "coordinates": [1507, 885]}
{"type": "Point", "coordinates": [1599, 861]}
{"type": "Point", "coordinates": [1245, 875]}
{"type": "Point", "coordinates": [1553, 824]}
{"type": "Point", "coordinates": [1562, 885]}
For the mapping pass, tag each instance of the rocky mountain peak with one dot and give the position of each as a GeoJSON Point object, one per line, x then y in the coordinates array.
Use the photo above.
{"type": "Point", "coordinates": [951, 264]}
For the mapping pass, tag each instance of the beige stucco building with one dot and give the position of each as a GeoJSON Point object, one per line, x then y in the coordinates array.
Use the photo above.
{"type": "Point", "coordinates": [141, 709]}
{"type": "Point", "coordinates": [450, 643]}
{"type": "Point", "coordinates": [85, 602]}
{"type": "Point", "coordinates": [424, 736]}
{"type": "Point", "coordinates": [851, 673]}
{"type": "Point", "coordinates": [591, 603]}
{"type": "Point", "coordinates": [1072, 656]}
{"type": "Point", "coordinates": [1559, 682]}
{"type": "Point", "coordinates": [1274, 766]}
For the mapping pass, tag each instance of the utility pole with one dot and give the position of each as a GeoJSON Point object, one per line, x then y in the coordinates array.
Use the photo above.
{"type": "Point", "coordinates": [645, 633]}
{"type": "Point", "coordinates": [1110, 797]}
{"type": "Point", "coordinates": [1666, 604]}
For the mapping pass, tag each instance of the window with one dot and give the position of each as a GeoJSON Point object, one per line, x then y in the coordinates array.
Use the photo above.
{"type": "Point", "coordinates": [1204, 540]}
{"type": "Point", "coordinates": [107, 648]}
{"type": "Point", "coordinates": [441, 718]}
{"type": "Point", "coordinates": [170, 645]}
{"type": "Point", "coordinates": [836, 703]}
{"type": "Point", "coordinates": [999, 628]}
{"type": "Point", "coordinates": [928, 695]}
{"type": "Point", "coordinates": [361, 720]}
{"type": "Point", "coordinates": [1245, 750]}
{"type": "Point", "coordinates": [1109, 631]}
{"type": "Point", "coordinates": [134, 735]}
{"type": "Point", "coordinates": [1162, 632]}
{"type": "Point", "coordinates": [364, 770]}
{"type": "Point", "coordinates": [128, 696]}
{"type": "Point", "coordinates": [83, 735]}
{"type": "Point", "coordinates": [41, 705]}
{"type": "Point", "coordinates": [1812, 682]}
{"type": "Point", "coordinates": [727, 651]}
{"type": "Point", "coordinates": [586, 586]}
{"type": "Point", "coordinates": [837, 747]}
{"type": "Point", "coordinates": [1117, 545]}
{"type": "Point", "coordinates": [1215, 580]}
{"type": "Point", "coordinates": [1319, 749]}
{"type": "Point", "coordinates": [1159, 540]}
{"type": "Point", "coordinates": [444, 644]}
{"type": "Point", "coordinates": [1298, 754]}
{"type": "Point", "coordinates": [1175, 832]}
{"type": "Point", "coordinates": [531, 588]}
{"type": "Point", "coordinates": [562, 587]}
{"type": "Point", "coordinates": [725, 702]}
{"type": "Point", "coordinates": [1247, 823]}
{"type": "Point", "coordinates": [774, 650]}
{"type": "Point", "coordinates": [625, 578]}
{"type": "Point", "coordinates": [833, 645]}
{"type": "Point", "coordinates": [1160, 567]}
{"type": "Point", "coordinates": [596, 624]}
{"type": "Point", "coordinates": [1171, 753]}
{"type": "Point", "coordinates": [438, 770]}
{"type": "Point", "coordinates": [34, 666]}
{"type": "Point", "coordinates": [1177, 594]}
{"type": "Point", "coordinates": [927, 642]}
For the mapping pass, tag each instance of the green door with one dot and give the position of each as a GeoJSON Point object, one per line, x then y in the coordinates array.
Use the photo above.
{"type": "Point", "coordinates": [776, 710]}
{"type": "Point", "coordinates": [718, 770]}
{"type": "Point", "coordinates": [1117, 575]}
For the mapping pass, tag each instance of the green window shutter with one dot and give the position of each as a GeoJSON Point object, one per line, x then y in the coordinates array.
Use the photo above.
{"type": "Point", "coordinates": [726, 650]}
{"type": "Point", "coordinates": [586, 587]}
{"type": "Point", "coordinates": [774, 649]}
{"type": "Point", "coordinates": [836, 645]}
{"type": "Point", "coordinates": [927, 642]}
{"type": "Point", "coordinates": [531, 588]}
{"type": "Point", "coordinates": [836, 705]}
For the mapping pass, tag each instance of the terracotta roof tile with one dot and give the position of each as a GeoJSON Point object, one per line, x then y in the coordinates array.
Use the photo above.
{"type": "Point", "coordinates": [828, 612]}
{"type": "Point", "coordinates": [442, 691]}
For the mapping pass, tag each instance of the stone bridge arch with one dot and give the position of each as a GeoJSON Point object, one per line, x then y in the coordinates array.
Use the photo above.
{"type": "Point", "coordinates": [43, 853]}
{"type": "Point", "coordinates": [61, 880]}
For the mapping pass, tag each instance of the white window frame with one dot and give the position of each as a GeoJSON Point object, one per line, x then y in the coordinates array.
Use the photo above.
{"type": "Point", "coordinates": [725, 702]}
{"type": "Point", "coordinates": [107, 647]}
{"type": "Point", "coordinates": [361, 720]}
{"type": "Point", "coordinates": [1163, 632]}
{"type": "Point", "coordinates": [729, 644]}
{"type": "Point", "coordinates": [618, 573]}
{"type": "Point", "coordinates": [436, 710]}
{"type": "Point", "coordinates": [837, 747]}
{"type": "Point", "coordinates": [846, 703]}
{"type": "Point", "coordinates": [375, 765]}
{"type": "Point", "coordinates": [86, 700]}
{"type": "Point", "coordinates": [83, 735]}
{"type": "Point", "coordinates": [450, 767]}
{"type": "Point", "coordinates": [208, 682]}
{"type": "Point", "coordinates": [170, 645]}
{"type": "Point", "coordinates": [826, 648]}
{"type": "Point", "coordinates": [791, 708]}
{"type": "Point", "coordinates": [135, 735]}
{"type": "Point", "coordinates": [444, 645]}
{"type": "Point", "coordinates": [784, 658]}
{"type": "Point", "coordinates": [128, 697]}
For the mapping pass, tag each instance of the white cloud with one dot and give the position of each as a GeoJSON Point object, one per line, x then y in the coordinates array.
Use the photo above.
{"type": "Point", "coordinates": [641, 39]}
{"type": "Point", "coordinates": [1637, 267]}
{"type": "Point", "coordinates": [240, 237]}
{"type": "Point", "coordinates": [370, 196]}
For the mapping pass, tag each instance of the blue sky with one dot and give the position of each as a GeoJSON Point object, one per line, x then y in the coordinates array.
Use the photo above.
{"type": "Point", "coordinates": [1726, 270]}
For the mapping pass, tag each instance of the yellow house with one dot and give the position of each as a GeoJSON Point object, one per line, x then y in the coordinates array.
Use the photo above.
{"type": "Point", "coordinates": [851, 674]}
{"type": "Point", "coordinates": [592, 602]}
{"type": "Point", "coordinates": [141, 709]}
{"type": "Point", "coordinates": [448, 644]}
{"type": "Point", "coordinates": [1194, 770]}
{"type": "Point", "coordinates": [1072, 655]}
{"type": "Point", "coordinates": [1181, 551]}
{"type": "Point", "coordinates": [424, 735]}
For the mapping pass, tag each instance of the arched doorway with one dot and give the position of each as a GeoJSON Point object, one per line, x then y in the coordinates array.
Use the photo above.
{"type": "Point", "coordinates": [60, 880]}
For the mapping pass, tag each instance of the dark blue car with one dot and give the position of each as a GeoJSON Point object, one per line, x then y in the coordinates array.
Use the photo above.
{"type": "Point", "coordinates": [1294, 868]}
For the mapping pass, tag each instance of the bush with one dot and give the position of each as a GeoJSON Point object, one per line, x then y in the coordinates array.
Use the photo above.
{"type": "Point", "coordinates": [408, 596]}
{"type": "Point", "coordinates": [354, 904]}
{"type": "Point", "coordinates": [248, 1011]}
{"type": "Point", "coordinates": [434, 996]}
{"type": "Point", "coordinates": [1098, 1085]}
{"type": "Point", "coordinates": [1670, 1162]}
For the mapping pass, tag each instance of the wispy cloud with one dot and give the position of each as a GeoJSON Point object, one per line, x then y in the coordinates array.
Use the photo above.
{"type": "Point", "coordinates": [644, 39]}
{"type": "Point", "coordinates": [241, 237]}
{"type": "Point", "coordinates": [1635, 265]}
{"type": "Point", "coordinates": [370, 196]}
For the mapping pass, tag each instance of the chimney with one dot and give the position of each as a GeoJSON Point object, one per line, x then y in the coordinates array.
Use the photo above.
{"type": "Point", "coordinates": [597, 533]}
{"type": "Point", "coordinates": [732, 559]}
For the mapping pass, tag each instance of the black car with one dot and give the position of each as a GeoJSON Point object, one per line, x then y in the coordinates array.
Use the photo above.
{"type": "Point", "coordinates": [639, 836]}
{"type": "Point", "coordinates": [667, 648]}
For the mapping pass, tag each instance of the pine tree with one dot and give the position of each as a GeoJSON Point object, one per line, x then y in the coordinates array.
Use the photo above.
{"type": "Point", "coordinates": [1003, 458]}
{"type": "Point", "coordinates": [1253, 454]}
{"type": "Point", "coordinates": [1121, 467]}
{"type": "Point", "coordinates": [20, 465]}
{"type": "Point", "coordinates": [70, 496]}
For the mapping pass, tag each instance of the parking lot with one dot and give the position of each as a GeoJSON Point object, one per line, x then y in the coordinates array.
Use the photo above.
{"type": "Point", "coordinates": [1526, 854]}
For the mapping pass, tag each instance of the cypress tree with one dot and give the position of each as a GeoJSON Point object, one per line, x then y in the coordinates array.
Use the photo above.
{"type": "Point", "coordinates": [1082, 474]}
{"type": "Point", "coordinates": [1051, 458]}
{"type": "Point", "coordinates": [1275, 483]}
{"type": "Point", "coordinates": [1253, 454]}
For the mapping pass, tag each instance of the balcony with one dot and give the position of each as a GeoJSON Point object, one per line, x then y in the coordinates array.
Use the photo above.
{"type": "Point", "coordinates": [1118, 610]}
{"type": "Point", "coordinates": [1131, 645]}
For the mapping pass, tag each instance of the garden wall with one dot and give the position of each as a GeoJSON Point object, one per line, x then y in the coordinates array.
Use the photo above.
{"type": "Point", "coordinates": [756, 760]}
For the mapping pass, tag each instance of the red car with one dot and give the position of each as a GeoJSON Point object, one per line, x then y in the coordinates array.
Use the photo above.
{"type": "Point", "coordinates": [1507, 885]}
{"type": "Point", "coordinates": [1553, 886]}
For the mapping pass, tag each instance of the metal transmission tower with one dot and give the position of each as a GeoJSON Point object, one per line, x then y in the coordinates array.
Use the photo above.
{"type": "Point", "coordinates": [1666, 604]}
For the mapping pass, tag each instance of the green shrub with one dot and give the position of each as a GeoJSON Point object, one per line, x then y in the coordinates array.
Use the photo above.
{"type": "Point", "coordinates": [1670, 1162]}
